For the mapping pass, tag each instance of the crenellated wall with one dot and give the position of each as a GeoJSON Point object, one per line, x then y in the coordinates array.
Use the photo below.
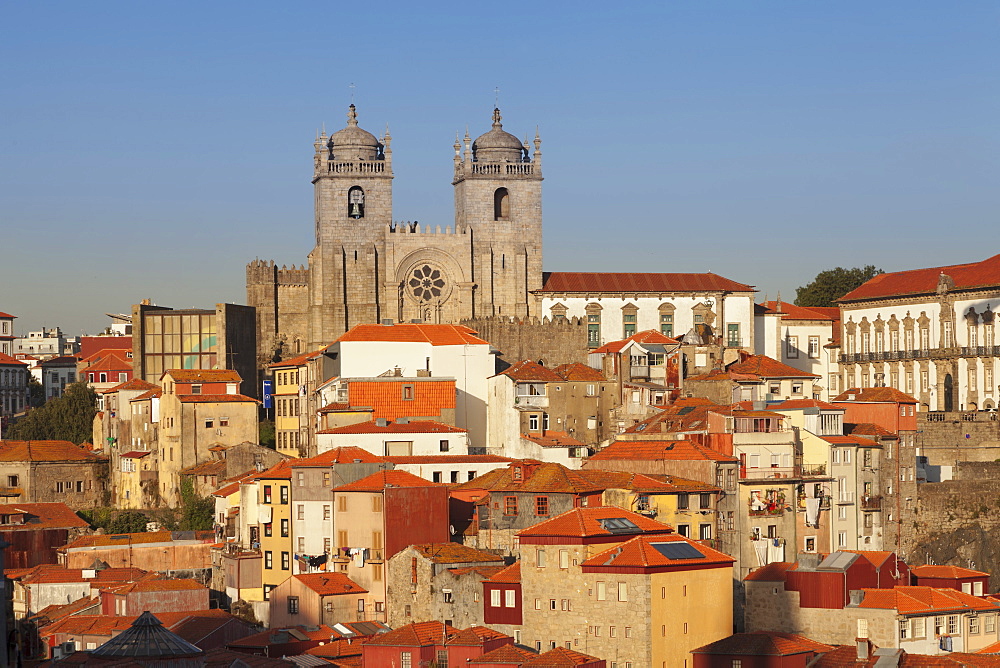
{"type": "Point", "coordinates": [555, 342]}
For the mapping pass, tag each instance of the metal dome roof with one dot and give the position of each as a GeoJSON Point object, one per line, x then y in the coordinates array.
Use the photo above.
{"type": "Point", "coordinates": [498, 144]}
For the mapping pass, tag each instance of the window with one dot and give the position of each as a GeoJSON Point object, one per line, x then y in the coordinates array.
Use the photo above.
{"type": "Point", "coordinates": [532, 423]}
{"type": "Point", "coordinates": [541, 506]}
{"type": "Point", "coordinates": [301, 544]}
{"type": "Point", "coordinates": [593, 325]}
{"type": "Point", "coordinates": [509, 598]}
{"type": "Point", "coordinates": [814, 346]}
{"type": "Point", "coordinates": [300, 512]}
{"type": "Point", "coordinates": [267, 590]}
{"type": "Point", "coordinates": [540, 558]}
{"type": "Point", "coordinates": [408, 393]}
{"type": "Point", "coordinates": [284, 528]}
{"type": "Point", "coordinates": [377, 503]}
{"type": "Point", "coordinates": [666, 324]}
{"type": "Point", "coordinates": [501, 204]}
{"type": "Point", "coordinates": [602, 591]}
{"type": "Point", "coordinates": [267, 494]}
{"type": "Point", "coordinates": [622, 591]}
{"type": "Point", "coordinates": [733, 335]}
{"type": "Point", "coordinates": [284, 494]}
{"type": "Point", "coordinates": [342, 539]}
{"type": "Point", "coordinates": [564, 559]}
{"type": "Point", "coordinates": [268, 529]}
{"type": "Point", "coordinates": [990, 623]}
{"type": "Point", "coordinates": [705, 532]}
{"type": "Point", "coordinates": [406, 660]}
{"type": "Point", "coordinates": [495, 598]}
{"type": "Point", "coordinates": [952, 624]}
{"type": "Point", "coordinates": [904, 629]}
{"type": "Point", "coordinates": [791, 346]}
{"type": "Point", "coordinates": [293, 605]}
{"type": "Point", "coordinates": [326, 479]}
{"type": "Point", "coordinates": [443, 445]}
{"type": "Point", "coordinates": [436, 476]}
{"type": "Point", "coordinates": [918, 627]}
{"type": "Point", "coordinates": [448, 597]}
{"type": "Point", "coordinates": [342, 504]}
{"type": "Point", "coordinates": [285, 561]}
{"type": "Point", "coordinates": [705, 501]}
{"type": "Point", "coordinates": [682, 502]}
{"type": "Point", "coordinates": [797, 388]}
{"type": "Point", "coordinates": [628, 324]}
{"type": "Point", "coordinates": [326, 512]}
{"type": "Point", "coordinates": [196, 389]}
{"type": "Point", "coordinates": [268, 560]}
{"type": "Point", "coordinates": [684, 530]}
{"type": "Point", "coordinates": [973, 626]}
{"type": "Point", "coordinates": [510, 505]}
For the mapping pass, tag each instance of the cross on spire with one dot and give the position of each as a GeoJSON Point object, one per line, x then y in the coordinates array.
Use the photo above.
{"type": "Point", "coordinates": [496, 96]}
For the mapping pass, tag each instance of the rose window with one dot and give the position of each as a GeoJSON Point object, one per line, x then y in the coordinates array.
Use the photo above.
{"type": "Point", "coordinates": [426, 283]}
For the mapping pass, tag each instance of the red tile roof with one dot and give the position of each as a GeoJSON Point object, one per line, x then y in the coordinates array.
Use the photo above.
{"type": "Point", "coordinates": [585, 523]}
{"type": "Point", "coordinates": [135, 454]}
{"type": "Point", "coordinates": [171, 584]}
{"type": "Point", "coordinates": [553, 439]}
{"type": "Point", "coordinates": [108, 360]}
{"type": "Point", "coordinates": [793, 312]}
{"type": "Point", "coordinates": [763, 643]}
{"type": "Point", "coordinates": [641, 552]}
{"type": "Point", "coordinates": [454, 553]}
{"type": "Point", "coordinates": [101, 579]}
{"type": "Point", "coordinates": [378, 481]}
{"type": "Point", "coordinates": [203, 375]}
{"type": "Point", "coordinates": [280, 471]}
{"type": "Point", "coordinates": [560, 657]}
{"type": "Point", "coordinates": [772, 572]}
{"type": "Point", "coordinates": [792, 404]}
{"type": "Point", "coordinates": [436, 335]}
{"type": "Point", "coordinates": [925, 281]}
{"type": "Point", "coordinates": [6, 315]}
{"type": "Point", "coordinates": [594, 283]}
{"type": "Point", "coordinates": [344, 455]}
{"type": "Point", "coordinates": [925, 600]}
{"type": "Point", "coordinates": [449, 459]}
{"type": "Point", "coordinates": [538, 477]}
{"type": "Point", "coordinates": [527, 370]}
{"type": "Point", "coordinates": [134, 384]}
{"type": "Point", "coordinates": [656, 450]}
{"type": "Point", "coordinates": [875, 395]}
{"type": "Point", "coordinates": [414, 635]}
{"type": "Point", "coordinates": [767, 367]}
{"type": "Point", "coordinates": [151, 394]}
{"type": "Point", "coordinates": [946, 572]}
{"type": "Point", "coordinates": [45, 451]}
{"type": "Point", "coordinates": [40, 516]}
{"type": "Point", "coordinates": [215, 399]}
{"type": "Point", "coordinates": [410, 427]}
{"type": "Point", "coordinates": [385, 396]}
{"type": "Point", "coordinates": [126, 539]}
{"type": "Point", "coordinates": [509, 575]}
{"type": "Point", "coordinates": [851, 440]}
{"type": "Point", "coordinates": [298, 360]}
{"type": "Point", "coordinates": [507, 654]}
{"type": "Point", "coordinates": [214, 467]}
{"type": "Point", "coordinates": [7, 359]}
{"type": "Point", "coordinates": [645, 336]}
{"type": "Point", "coordinates": [579, 372]}
{"type": "Point", "coordinates": [868, 429]}
{"type": "Point", "coordinates": [330, 584]}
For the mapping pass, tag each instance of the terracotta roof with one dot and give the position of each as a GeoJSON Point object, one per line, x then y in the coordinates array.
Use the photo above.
{"type": "Point", "coordinates": [383, 397]}
{"type": "Point", "coordinates": [6, 315]}
{"type": "Point", "coordinates": [410, 427]}
{"type": "Point", "coordinates": [579, 372]}
{"type": "Point", "coordinates": [868, 429]}
{"type": "Point", "coordinates": [211, 467]}
{"type": "Point", "coordinates": [792, 404]}
{"type": "Point", "coordinates": [485, 572]}
{"type": "Point", "coordinates": [335, 649]}
{"type": "Point", "coordinates": [560, 657]}
{"type": "Point", "coordinates": [767, 367]}
{"type": "Point", "coordinates": [338, 406]}
{"type": "Point", "coordinates": [170, 584]}
{"type": "Point", "coordinates": [453, 553]}
{"type": "Point", "coordinates": [511, 574]}
{"type": "Point", "coordinates": [414, 635]}
{"type": "Point", "coordinates": [134, 384]}
{"type": "Point", "coordinates": [272, 636]}
{"type": "Point", "coordinates": [645, 336]}
{"type": "Point", "coordinates": [280, 471]}
{"type": "Point", "coordinates": [56, 612]}
{"type": "Point", "coordinates": [925, 281]}
{"type": "Point", "coordinates": [506, 654]}
{"type": "Point", "coordinates": [344, 455]}
{"type": "Point", "coordinates": [203, 375]}
{"type": "Point", "coordinates": [875, 395]}
{"type": "Point", "coordinates": [330, 584]}
{"type": "Point", "coordinates": [101, 579]}
{"type": "Point", "coordinates": [793, 312]}
{"type": "Point", "coordinates": [772, 572]}
{"type": "Point", "coordinates": [45, 451]}
{"type": "Point", "coordinates": [594, 283]}
{"type": "Point", "coordinates": [436, 335]}
{"type": "Point", "coordinates": [234, 485]}
{"type": "Point", "coordinates": [135, 454]}
{"type": "Point", "coordinates": [642, 552]}
{"type": "Point", "coordinates": [298, 360]}
{"type": "Point", "coordinates": [39, 516]}
{"type": "Point", "coordinates": [215, 398]}
{"type": "Point", "coordinates": [130, 539]}
{"type": "Point", "coordinates": [553, 439]}
{"type": "Point", "coordinates": [677, 418]}
{"type": "Point", "coordinates": [379, 481]}
{"type": "Point", "coordinates": [876, 557]}
{"type": "Point", "coordinates": [526, 370]}
{"type": "Point", "coordinates": [656, 450]}
{"type": "Point", "coordinates": [946, 572]}
{"type": "Point", "coordinates": [151, 394]}
{"type": "Point", "coordinates": [7, 359]}
{"type": "Point", "coordinates": [851, 440]}
{"type": "Point", "coordinates": [109, 360]}
{"type": "Point", "coordinates": [763, 643]}
{"type": "Point", "coordinates": [926, 600]}
{"type": "Point", "coordinates": [538, 477]}
{"type": "Point", "coordinates": [586, 523]}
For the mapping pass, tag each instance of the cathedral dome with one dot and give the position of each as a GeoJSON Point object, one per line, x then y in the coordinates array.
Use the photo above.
{"type": "Point", "coordinates": [497, 145]}
{"type": "Point", "coordinates": [353, 143]}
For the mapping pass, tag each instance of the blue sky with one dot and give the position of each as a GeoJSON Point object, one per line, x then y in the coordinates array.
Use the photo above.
{"type": "Point", "coordinates": [151, 150]}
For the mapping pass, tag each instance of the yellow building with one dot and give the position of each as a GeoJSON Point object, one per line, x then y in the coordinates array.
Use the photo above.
{"type": "Point", "coordinates": [274, 515]}
{"type": "Point", "coordinates": [290, 406]}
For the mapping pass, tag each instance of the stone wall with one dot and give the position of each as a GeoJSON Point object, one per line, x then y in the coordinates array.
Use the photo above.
{"type": "Point", "coordinates": [947, 438]}
{"type": "Point", "coordinates": [552, 342]}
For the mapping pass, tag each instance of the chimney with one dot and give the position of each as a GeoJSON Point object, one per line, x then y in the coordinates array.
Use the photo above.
{"type": "Point", "coordinates": [388, 321]}
{"type": "Point", "coordinates": [864, 649]}
{"type": "Point", "coordinates": [403, 420]}
{"type": "Point", "coordinates": [857, 596]}
{"type": "Point", "coordinates": [381, 422]}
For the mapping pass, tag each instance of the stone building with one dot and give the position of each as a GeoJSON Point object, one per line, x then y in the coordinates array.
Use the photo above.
{"type": "Point", "coordinates": [53, 471]}
{"type": "Point", "coordinates": [367, 267]}
{"type": "Point", "coordinates": [926, 332]}
{"type": "Point", "coordinates": [7, 333]}
{"type": "Point", "coordinates": [438, 582]}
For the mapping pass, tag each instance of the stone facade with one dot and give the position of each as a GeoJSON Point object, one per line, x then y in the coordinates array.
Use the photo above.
{"type": "Point", "coordinates": [367, 267]}
{"type": "Point", "coordinates": [553, 342]}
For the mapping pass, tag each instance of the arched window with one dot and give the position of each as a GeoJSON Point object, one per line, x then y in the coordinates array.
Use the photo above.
{"type": "Point", "coordinates": [501, 204]}
{"type": "Point", "coordinates": [356, 202]}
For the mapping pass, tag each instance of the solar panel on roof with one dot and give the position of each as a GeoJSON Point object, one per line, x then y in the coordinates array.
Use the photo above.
{"type": "Point", "coordinates": [677, 550]}
{"type": "Point", "coordinates": [685, 410]}
{"type": "Point", "coordinates": [619, 525]}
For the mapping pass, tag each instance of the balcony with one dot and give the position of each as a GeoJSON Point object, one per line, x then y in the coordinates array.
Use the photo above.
{"type": "Point", "coordinates": [532, 401]}
{"type": "Point", "coordinates": [770, 473]}
{"type": "Point", "coordinates": [871, 503]}
{"type": "Point", "coordinates": [639, 371]}
{"type": "Point", "coordinates": [814, 470]}
{"type": "Point", "coordinates": [845, 499]}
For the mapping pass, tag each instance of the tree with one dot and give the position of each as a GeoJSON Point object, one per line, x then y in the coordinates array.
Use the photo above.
{"type": "Point", "coordinates": [832, 284]}
{"type": "Point", "coordinates": [197, 512]}
{"type": "Point", "coordinates": [36, 393]}
{"type": "Point", "coordinates": [265, 433]}
{"type": "Point", "coordinates": [66, 418]}
{"type": "Point", "coordinates": [128, 521]}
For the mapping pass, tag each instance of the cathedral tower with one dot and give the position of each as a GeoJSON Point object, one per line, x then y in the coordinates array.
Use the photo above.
{"type": "Point", "coordinates": [352, 180]}
{"type": "Point", "coordinates": [498, 201]}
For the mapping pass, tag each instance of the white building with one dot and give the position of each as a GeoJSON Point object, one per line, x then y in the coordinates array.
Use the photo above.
{"type": "Point", "coordinates": [926, 332]}
{"type": "Point", "coordinates": [402, 438]}
{"type": "Point", "coordinates": [7, 333]}
{"type": "Point", "coordinates": [450, 351]}
{"type": "Point", "coordinates": [797, 336]}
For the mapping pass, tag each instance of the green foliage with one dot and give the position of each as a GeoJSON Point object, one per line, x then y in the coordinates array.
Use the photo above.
{"type": "Point", "coordinates": [832, 284]}
{"type": "Point", "coordinates": [36, 393]}
{"type": "Point", "coordinates": [265, 433]}
{"type": "Point", "coordinates": [197, 513]}
{"type": "Point", "coordinates": [98, 518]}
{"type": "Point", "coordinates": [128, 521]}
{"type": "Point", "coordinates": [66, 418]}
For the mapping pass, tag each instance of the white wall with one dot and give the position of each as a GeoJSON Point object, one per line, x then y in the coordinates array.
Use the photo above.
{"type": "Point", "coordinates": [423, 443]}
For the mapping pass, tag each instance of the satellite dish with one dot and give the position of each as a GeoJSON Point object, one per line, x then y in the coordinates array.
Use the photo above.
{"type": "Point", "coordinates": [451, 529]}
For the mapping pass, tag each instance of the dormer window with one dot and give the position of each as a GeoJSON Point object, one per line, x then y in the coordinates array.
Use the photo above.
{"type": "Point", "coordinates": [518, 473]}
{"type": "Point", "coordinates": [196, 389]}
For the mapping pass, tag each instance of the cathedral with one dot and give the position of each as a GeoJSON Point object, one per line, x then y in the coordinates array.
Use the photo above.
{"type": "Point", "coordinates": [368, 267]}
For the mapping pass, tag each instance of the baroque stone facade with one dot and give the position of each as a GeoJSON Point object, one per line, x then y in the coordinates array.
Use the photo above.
{"type": "Point", "coordinates": [367, 267]}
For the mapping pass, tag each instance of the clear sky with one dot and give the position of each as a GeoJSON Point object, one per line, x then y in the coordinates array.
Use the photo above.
{"type": "Point", "coordinates": [152, 149]}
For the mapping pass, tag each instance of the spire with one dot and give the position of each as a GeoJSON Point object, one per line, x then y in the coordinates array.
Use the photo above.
{"type": "Point", "coordinates": [497, 117]}
{"type": "Point", "coordinates": [352, 116]}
